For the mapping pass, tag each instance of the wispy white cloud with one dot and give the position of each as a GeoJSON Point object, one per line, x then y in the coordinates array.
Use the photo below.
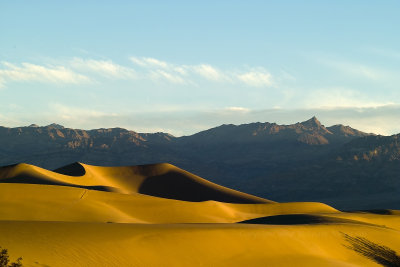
{"type": "Point", "coordinates": [254, 77]}
{"type": "Point", "coordinates": [168, 76]}
{"type": "Point", "coordinates": [209, 72]}
{"type": "Point", "coordinates": [181, 70]}
{"type": "Point", "coordinates": [149, 62]}
{"type": "Point", "coordinates": [80, 70]}
{"type": "Point", "coordinates": [103, 67]}
{"type": "Point", "coordinates": [158, 70]}
{"type": "Point", "coordinates": [27, 72]}
{"type": "Point", "coordinates": [236, 109]}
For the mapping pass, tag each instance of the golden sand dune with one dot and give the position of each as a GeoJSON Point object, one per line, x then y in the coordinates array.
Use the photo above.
{"type": "Point", "coordinates": [160, 215]}
{"type": "Point", "coordinates": [60, 203]}
{"type": "Point", "coordinates": [162, 180]}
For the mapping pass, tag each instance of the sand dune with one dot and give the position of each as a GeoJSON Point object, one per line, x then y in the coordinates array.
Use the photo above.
{"type": "Point", "coordinates": [60, 203]}
{"type": "Point", "coordinates": [160, 215]}
{"type": "Point", "coordinates": [162, 180]}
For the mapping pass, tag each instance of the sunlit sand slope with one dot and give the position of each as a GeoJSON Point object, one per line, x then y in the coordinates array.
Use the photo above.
{"type": "Point", "coordinates": [60, 203]}
{"type": "Point", "coordinates": [160, 215]}
{"type": "Point", "coordinates": [96, 244]}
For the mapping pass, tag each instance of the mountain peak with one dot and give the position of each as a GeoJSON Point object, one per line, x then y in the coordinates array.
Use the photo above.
{"type": "Point", "coordinates": [341, 130]}
{"type": "Point", "coordinates": [55, 126]}
{"type": "Point", "coordinates": [313, 122]}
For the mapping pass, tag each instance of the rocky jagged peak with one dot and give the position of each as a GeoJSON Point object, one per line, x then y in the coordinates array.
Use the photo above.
{"type": "Point", "coordinates": [340, 129]}
{"type": "Point", "coordinates": [55, 126]}
{"type": "Point", "coordinates": [312, 123]}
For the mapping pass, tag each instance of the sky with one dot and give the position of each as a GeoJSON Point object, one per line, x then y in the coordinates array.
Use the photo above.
{"type": "Point", "coordinates": [185, 66]}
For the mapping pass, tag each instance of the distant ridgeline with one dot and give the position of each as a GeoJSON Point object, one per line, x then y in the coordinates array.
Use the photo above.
{"type": "Point", "coordinates": [306, 161]}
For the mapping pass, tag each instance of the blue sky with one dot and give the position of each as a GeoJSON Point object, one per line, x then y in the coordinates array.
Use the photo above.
{"type": "Point", "coordinates": [182, 67]}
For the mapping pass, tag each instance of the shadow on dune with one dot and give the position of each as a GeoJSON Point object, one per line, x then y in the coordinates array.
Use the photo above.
{"type": "Point", "coordinates": [290, 219]}
{"type": "Point", "coordinates": [377, 211]}
{"type": "Point", "coordinates": [382, 255]}
{"type": "Point", "coordinates": [24, 179]}
{"type": "Point", "coordinates": [293, 219]}
{"type": "Point", "coordinates": [175, 185]}
{"type": "Point", "coordinates": [74, 169]}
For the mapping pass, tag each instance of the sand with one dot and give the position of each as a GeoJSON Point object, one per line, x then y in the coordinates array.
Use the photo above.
{"type": "Point", "coordinates": [86, 215]}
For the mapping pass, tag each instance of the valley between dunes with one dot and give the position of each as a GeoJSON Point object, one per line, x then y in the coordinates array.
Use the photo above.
{"type": "Point", "coordinates": [161, 215]}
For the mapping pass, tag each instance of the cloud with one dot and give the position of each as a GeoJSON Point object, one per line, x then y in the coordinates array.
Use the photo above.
{"type": "Point", "coordinates": [80, 70]}
{"type": "Point", "coordinates": [149, 62]}
{"type": "Point", "coordinates": [237, 109]}
{"type": "Point", "coordinates": [181, 70]}
{"type": "Point", "coordinates": [185, 74]}
{"type": "Point", "coordinates": [103, 67]}
{"type": "Point", "coordinates": [256, 78]}
{"type": "Point", "coordinates": [160, 70]}
{"type": "Point", "coordinates": [28, 72]}
{"type": "Point", "coordinates": [170, 77]}
{"type": "Point", "coordinates": [208, 72]}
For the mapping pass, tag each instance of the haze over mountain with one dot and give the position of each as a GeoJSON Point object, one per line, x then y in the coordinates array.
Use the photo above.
{"type": "Point", "coordinates": [305, 161]}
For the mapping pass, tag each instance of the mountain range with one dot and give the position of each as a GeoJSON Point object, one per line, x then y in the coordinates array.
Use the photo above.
{"type": "Point", "coordinates": [305, 161]}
